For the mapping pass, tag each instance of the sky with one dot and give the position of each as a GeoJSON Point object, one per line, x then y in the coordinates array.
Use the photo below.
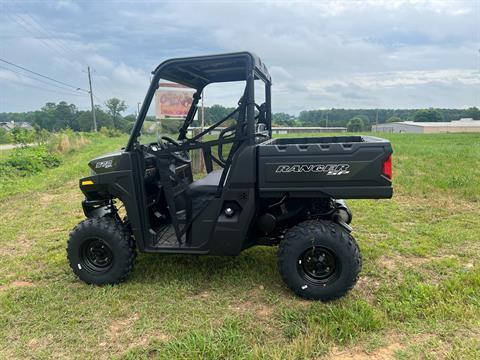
{"type": "Point", "coordinates": [323, 54]}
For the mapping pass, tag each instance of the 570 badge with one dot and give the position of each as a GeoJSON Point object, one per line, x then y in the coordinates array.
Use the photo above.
{"type": "Point", "coordinates": [327, 169]}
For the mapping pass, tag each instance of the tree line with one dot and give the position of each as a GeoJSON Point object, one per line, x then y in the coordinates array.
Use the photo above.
{"type": "Point", "coordinates": [353, 119]}
{"type": "Point", "coordinates": [59, 116]}
{"type": "Point", "coordinates": [55, 117]}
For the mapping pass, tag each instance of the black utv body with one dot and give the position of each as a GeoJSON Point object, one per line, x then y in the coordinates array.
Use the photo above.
{"type": "Point", "coordinates": [264, 192]}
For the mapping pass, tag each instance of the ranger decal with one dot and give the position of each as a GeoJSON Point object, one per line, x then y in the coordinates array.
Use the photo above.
{"type": "Point", "coordinates": [327, 169]}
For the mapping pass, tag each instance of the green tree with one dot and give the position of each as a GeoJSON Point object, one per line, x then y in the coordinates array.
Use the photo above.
{"type": "Point", "coordinates": [283, 119]}
{"type": "Point", "coordinates": [130, 118]}
{"type": "Point", "coordinates": [393, 119]}
{"type": "Point", "coordinates": [66, 115]}
{"type": "Point", "coordinates": [216, 113]}
{"type": "Point", "coordinates": [428, 115]}
{"type": "Point", "coordinates": [355, 124]}
{"type": "Point", "coordinates": [473, 113]}
{"type": "Point", "coordinates": [114, 108]}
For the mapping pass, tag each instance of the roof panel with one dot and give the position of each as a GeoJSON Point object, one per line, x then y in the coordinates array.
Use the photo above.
{"type": "Point", "coordinates": [199, 71]}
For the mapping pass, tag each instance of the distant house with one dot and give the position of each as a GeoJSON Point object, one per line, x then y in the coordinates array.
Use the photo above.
{"type": "Point", "coordinates": [456, 126]}
{"type": "Point", "coordinates": [10, 125]}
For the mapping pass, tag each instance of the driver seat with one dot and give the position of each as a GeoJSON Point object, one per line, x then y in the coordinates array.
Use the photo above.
{"type": "Point", "coordinates": [207, 184]}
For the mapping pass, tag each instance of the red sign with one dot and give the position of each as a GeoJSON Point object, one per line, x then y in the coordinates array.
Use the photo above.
{"type": "Point", "coordinates": [172, 100]}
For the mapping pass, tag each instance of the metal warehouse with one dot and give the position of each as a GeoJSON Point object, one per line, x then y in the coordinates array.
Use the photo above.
{"type": "Point", "coordinates": [457, 126]}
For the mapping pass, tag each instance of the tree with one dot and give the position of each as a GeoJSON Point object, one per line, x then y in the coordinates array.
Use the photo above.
{"type": "Point", "coordinates": [115, 107]}
{"type": "Point", "coordinates": [428, 115]}
{"type": "Point", "coordinates": [66, 116]}
{"type": "Point", "coordinates": [473, 113]}
{"type": "Point", "coordinates": [283, 119]}
{"type": "Point", "coordinates": [216, 113]}
{"type": "Point", "coordinates": [130, 118]}
{"type": "Point", "coordinates": [393, 119]}
{"type": "Point", "coordinates": [355, 124]}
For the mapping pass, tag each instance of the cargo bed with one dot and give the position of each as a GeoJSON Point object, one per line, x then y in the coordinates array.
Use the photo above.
{"type": "Point", "coordinates": [346, 167]}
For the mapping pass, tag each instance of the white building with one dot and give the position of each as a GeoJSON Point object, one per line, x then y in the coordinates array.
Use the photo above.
{"type": "Point", "coordinates": [457, 126]}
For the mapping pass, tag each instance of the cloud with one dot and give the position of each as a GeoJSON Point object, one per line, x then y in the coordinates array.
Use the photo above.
{"type": "Point", "coordinates": [320, 54]}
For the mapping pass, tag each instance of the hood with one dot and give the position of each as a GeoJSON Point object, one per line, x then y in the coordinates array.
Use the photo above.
{"type": "Point", "coordinates": [105, 163]}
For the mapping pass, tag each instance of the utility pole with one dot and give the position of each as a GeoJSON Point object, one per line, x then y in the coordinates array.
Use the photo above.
{"type": "Point", "coordinates": [138, 108]}
{"type": "Point", "coordinates": [91, 101]}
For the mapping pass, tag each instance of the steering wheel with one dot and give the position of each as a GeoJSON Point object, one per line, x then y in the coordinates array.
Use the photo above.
{"type": "Point", "coordinates": [181, 156]}
{"type": "Point", "coordinates": [223, 136]}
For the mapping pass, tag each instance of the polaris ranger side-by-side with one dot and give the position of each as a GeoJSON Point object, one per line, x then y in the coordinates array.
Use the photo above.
{"type": "Point", "coordinates": [265, 191]}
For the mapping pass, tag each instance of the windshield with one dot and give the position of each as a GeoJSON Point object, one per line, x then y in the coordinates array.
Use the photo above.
{"type": "Point", "coordinates": [172, 102]}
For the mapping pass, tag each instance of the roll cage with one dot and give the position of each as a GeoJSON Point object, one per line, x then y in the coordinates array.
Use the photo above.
{"type": "Point", "coordinates": [200, 71]}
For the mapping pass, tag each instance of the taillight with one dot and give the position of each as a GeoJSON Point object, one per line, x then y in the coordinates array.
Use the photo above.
{"type": "Point", "coordinates": [387, 167]}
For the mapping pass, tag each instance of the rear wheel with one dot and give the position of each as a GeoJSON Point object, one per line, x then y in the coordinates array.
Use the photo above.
{"type": "Point", "coordinates": [101, 251]}
{"type": "Point", "coordinates": [319, 260]}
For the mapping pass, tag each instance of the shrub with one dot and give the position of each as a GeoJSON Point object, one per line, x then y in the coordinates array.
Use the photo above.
{"type": "Point", "coordinates": [109, 132]}
{"type": "Point", "coordinates": [63, 143]}
{"type": "Point", "coordinates": [66, 141]}
{"type": "Point", "coordinates": [23, 136]}
{"type": "Point", "coordinates": [29, 160]}
{"type": "Point", "coordinates": [5, 137]}
{"type": "Point", "coordinates": [43, 136]}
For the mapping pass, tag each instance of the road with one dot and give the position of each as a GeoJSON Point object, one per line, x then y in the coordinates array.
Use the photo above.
{"type": "Point", "coordinates": [11, 146]}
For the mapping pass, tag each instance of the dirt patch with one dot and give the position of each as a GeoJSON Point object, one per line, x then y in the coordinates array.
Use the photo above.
{"type": "Point", "coordinates": [383, 353]}
{"type": "Point", "coordinates": [392, 262]}
{"type": "Point", "coordinates": [367, 287]}
{"type": "Point", "coordinates": [120, 326]}
{"type": "Point", "coordinates": [145, 340]}
{"type": "Point", "coordinates": [55, 230]}
{"type": "Point", "coordinates": [259, 310]}
{"type": "Point", "coordinates": [16, 284]}
{"type": "Point", "coordinates": [119, 337]}
{"type": "Point", "coordinates": [203, 295]}
{"type": "Point", "coordinates": [36, 344]}
{"type": "Point", "coordinates": [47, 199]}
{"type": "Point", "coordinates": [19, 247]}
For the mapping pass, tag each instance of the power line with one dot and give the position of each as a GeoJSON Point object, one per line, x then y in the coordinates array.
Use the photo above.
{"type": "Point", "coordinates": [43, 88]}
{"type": "Point", "coordinates": [36, 79]}
{"type": "Point", "coordinates": [35, 36]}
{"type": "Point", "coordinates": [44, 76]}
{"type": "Point", "coordinates": [49, 38]}
{"type": "Point", "coordinates": [29, 20]}
{"type": "Point", "coordinates": [28, 23]}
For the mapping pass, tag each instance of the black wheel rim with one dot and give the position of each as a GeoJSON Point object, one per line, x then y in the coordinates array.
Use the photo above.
{"type": "Point", "coordinates": [96, 255]}
{"type": "Point", "coordinates": [318, 265]}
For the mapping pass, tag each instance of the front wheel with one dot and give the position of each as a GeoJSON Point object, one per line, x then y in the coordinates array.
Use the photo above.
{"type": "Point", "coordinates": [319, 260]}
{"type": "Point", "coordinates": [101, 251]}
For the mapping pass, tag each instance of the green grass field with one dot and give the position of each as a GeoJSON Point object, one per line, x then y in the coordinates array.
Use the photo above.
{"type": "Point", "coordinates": [418, 295]}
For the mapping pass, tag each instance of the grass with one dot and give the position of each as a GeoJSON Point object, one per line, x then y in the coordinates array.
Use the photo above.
{"type": "Point", "coordinates": [418, 296]}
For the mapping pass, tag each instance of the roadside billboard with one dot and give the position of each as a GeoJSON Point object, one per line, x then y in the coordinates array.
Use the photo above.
{"type": "Point", "coordinates": [172, 100]}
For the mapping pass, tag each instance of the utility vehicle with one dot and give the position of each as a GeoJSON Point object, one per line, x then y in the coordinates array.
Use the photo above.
{"type": "Point", "coordinates": [265, 191]}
